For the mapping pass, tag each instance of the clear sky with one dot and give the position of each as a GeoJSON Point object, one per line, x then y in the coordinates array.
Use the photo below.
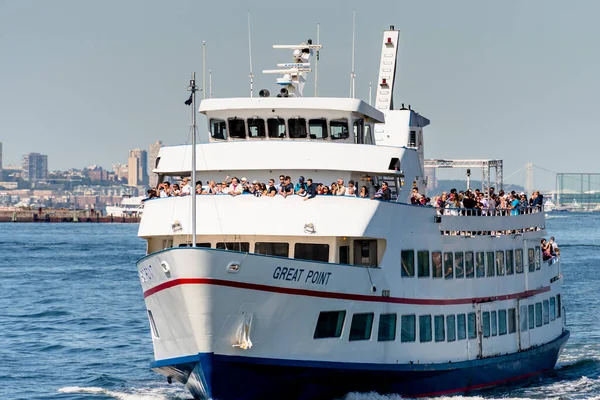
{"type": "Point", "coordinates": [85, 81]}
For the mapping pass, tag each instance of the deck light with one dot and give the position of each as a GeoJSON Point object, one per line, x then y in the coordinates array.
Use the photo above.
{"type": "Point", "coordinates": [389, 40]}
{"type": "Point", "coordinates": [383, 82]}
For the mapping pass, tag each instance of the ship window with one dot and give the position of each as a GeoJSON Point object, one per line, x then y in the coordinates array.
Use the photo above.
{"type": "Point", "coordinates": [558, 306]}
{"type": "Point", "coordinates": [500, 263]}
{"type": "Point", "coordinates": [387, 328]}
{"type": "Point", "coordinates": [368, 135]}
{"type": "Point", "coordinates": [461, 327]}
{"type": "Point", "coordinates": [502, 322]}
{"type": "Point", "coordinates": [412, 139]}
{"type": "Point", "coordinates": [359, 128]}
{"type": "Point", "coordinates": [538, 314]}
{"type": "Point", "coordinates": [480, 264]}
{"type": "Point", "coordinates": [344, 255]}
{"type": "Point", "coordinates": [153, 325]}
{"type": "Point", "coordinates": [365, 253]}
{"type": "Point", "coordinates": [423, 263]}
{"type": "Point", "coordinates": [339, 129]}
{"type": "Point", "coordinates": [237, 128]}
{"type": "Point", "coordinates": [425, 328]}
{"type": "Point", "coordinates": [256, 128]}
{"type": "Point", "coordinates": [205, 245]}
{"type": "Point", "coordinates": [491, 271]}
{"type": "Point", "coordinates": [276, 127]}
{"type": "Point", "coordinates": [485, 316]}
{"type": "Point", "coordinates": [523, 318]}
{"type": "Point", "coordinates": [235, 246]}
{"type": "Point", "coordinates": [436, 260]}
{"type": "Point", "coordinates": [459, 265]}
{"type": "Point", "coordinates": [218, 129]}
{"type": "Point", "coordinates": [512, 320]}
{"type": "Point", "coordinates": [440, 333]}
{"type": "Point", "coordinates": [272, 249]}
{"type": "Point", "coordinates": [448, 267]}
{"type": "Point", "coordinates": [408, 328]}
{"type": "Point", "coordinates": [312, 251]}
{"type": "Point", "coordinates": [531, 312]}
{"type": "Point", "coordinates": [329, 324]}
{"type": "Point", "coordinates": [297, 128]}
{"type": "Point", "coordinates": [470, 271]}
{"type": "Point", "coordinates": [494, 319]}
{"type": "Point", "coordinates": [519, 261]}
{"type": "Point", "coordinates": [408, 262]}
{"type": "Point", "coordinates": [451, 327]}
{"type": "Point", "coordinates": [538, 263]}
{"type": "Point", "coordinates": [317, 128]}
{"type": "Point", "coordinates": [361, 326]}
{"type": "Point", "coordinates": [546, 312]}
{"type": "Point", "coordinates": [471, 325]}
{"type": "Point", "coordinates": [531, 259]}
{"type": "Point", "coordinates": [552, 308]}
{"type": "Point", "coordinates": [510, 267]}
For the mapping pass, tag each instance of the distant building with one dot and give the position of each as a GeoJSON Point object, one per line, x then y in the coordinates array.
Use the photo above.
{"type": "Point", "coordinates": [154, 149]}
{"type": "Point", "coordinates": [137, 168]}
{"type": "Point", "coordinates": [34, 167]}
{"type": "Point", "coordinates": [120, 171]}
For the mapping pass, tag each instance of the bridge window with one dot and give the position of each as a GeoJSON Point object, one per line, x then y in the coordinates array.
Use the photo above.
{"type": "Point", "coordinates": [531, 313]}
{"type": "Point", "coordinates": [361, 327]}
{"type": "Point", "coordinates": [519, 261]}
{"type": "Point", "coordinates": [546, 312]}
{"type": "Point", "coordinates": [459, 266]}
{"type": "Point", "coordinates": [491, 267]}
{"type": "Point", "coordinates": [451, 327]}
{"type": "Point", "coordinates": [312, 251]}
{"type": "Point", "coordinates": [276, 127]}
{"type": "Point", "coordinates": [237, 128]}
{"type": "Point", "coordinates": [359, 127]}
{"type": "Point", "coordinates": [440, 333]}
{"type": "Point", "coordinates": [297, 128]}
{"type": "Point", "coordinates": [408, 262]}
{"type": "Point", "coordinates": [412, 139]}
{"type": "Point", "coordinates": [365, 253]}
{"type": "Point", "coordinates": [218, 129]}
{"type": "Point", "coordinates": [244, 247]}
{"type": "Point", "coordinates": [480, 264]}
{"type": "Point", "coordinates": [368, 135]}
{"type": "Point", "coordinates": [471, 325]}
{"type": "Point", "coordinates": [256, 128]}
{"type": "Point", "coordinates": [552, 308]}
{"type": "Point", "coordinates": [408, 328]}
{"type": "Point", "coordinates": [531, 259]}
{"type": "Point", "coordinates": [423, 263]}
{"type": "Point", "coordinates": [330, 324]}
{"type": "Point", "coordinates": [436, 260]}
{"type": "Point", "coordinates": [339, 129]}
{"type": "Point", "coordinates": [510, 267]}
{"type": "Point", "coordinates": [461, 324]}
{"type": "Point", "coordinates": [448, 266]}
{"type": "Point", "coordinates": [502, 322]}
{"type": "Point", "coordinates": [499, 263]}
{"type": "Point", "coordinates": [523, 318]}
{"type": "Point", "coordinates": [272, 249]}
{"type": "Point", "coordinates": [317, 128]}
{"type": "Point", "coordinates": [387, 328]}
{"type": "Point", "coordinates": [425, 328]}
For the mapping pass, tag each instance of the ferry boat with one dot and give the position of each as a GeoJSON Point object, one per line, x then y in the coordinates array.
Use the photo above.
{"type": "Point", "coordinates": [129, 206]}
{"type": "Point", "coordinates": [282, 297]}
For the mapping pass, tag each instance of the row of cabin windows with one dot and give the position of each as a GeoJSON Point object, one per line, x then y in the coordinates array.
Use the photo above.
{"type": "Point", "coordinates": [468, 264]}
{"type": "Point", "coordinates": [294, 128]}
{"type": "Point", "coordinates": [365, 251]}
{"type": "Point", "coordinates": [440, 328]}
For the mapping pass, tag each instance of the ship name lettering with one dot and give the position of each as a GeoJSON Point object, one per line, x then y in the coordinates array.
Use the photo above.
{"type": "Point", "coordinates": [288, 274]}
{"type": "Point", "coordinates": [318, 277]}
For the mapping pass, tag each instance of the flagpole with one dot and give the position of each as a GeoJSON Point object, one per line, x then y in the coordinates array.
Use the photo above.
{"type": "Point", "coordinates": [193, 88]}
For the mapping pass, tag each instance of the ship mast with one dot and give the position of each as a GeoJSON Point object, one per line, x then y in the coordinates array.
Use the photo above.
{"type": "Point", "coordinates": [193, 88]}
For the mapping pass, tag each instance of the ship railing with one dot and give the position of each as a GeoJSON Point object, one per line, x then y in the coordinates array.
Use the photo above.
{"type": "Point", "coordinates": [475, 222]}
{"type": "Point", "coordinates": [478, 212]}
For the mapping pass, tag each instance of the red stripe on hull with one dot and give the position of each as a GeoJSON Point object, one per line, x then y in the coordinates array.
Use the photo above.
{"type": "Point", "coordinates": [337, 295]}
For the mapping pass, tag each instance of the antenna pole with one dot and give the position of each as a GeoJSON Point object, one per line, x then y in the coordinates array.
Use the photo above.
{"type": "Point", "coordinates": [352, 73]}
{"type": "Point", "coordinates": [317, 61]}
{"type": "Point", "coordinates": [193, 88]}
{"type": "Point", "coordinates": [251, 76]}
{"type": "Point", "coordinates": [209, 84]}
{"type": "Point", "coordinates": [203, 70]}
{"type": "Point", "coordinates": [370, 92]}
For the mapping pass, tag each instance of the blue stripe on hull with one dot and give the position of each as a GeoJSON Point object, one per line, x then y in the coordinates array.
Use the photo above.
{"type": "Point", "coordinates": [209, 375]}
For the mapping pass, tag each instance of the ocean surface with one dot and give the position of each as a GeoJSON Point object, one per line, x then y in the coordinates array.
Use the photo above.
{"type": "Point", "coordinates": [73, 323]}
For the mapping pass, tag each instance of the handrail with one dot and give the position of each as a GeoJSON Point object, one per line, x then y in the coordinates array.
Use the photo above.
{"type": "Point", "coordinates": [478, 212]}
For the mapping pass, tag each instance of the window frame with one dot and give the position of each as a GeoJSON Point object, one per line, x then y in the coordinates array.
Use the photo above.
{"type": "Point", "coordinates": [448, 263]}
{"type": "Point", "coordinates": [437, 271]}
{"type": "Point", "coordinates": [509, 259]}
{"type": "Point", "coordinates": [425, 328]}
{"type": "Point", "coordinates": [451, 327]}
{"type": "Point", "coordinates": [407, 263]}
{"type": "Point", "coordinates": [383, 323]}
{"type": "Point", "coordinates": [366, 328]}
{"type": "Point", "coordinates": [322, 123]}
{"type": "Point", "coordinates": [223, 131]}
{"type": "Point", "coordinates": [411, 320]}
{"type": "Point", "coordinates": [480, 264]}
{"type": "Point", "coordinates": [339, 329]}
{"type": "Point", "coordinates": [271, 244]}
{"type": "Point", "coordinates": [239, 245]}
{"type": "Point", "coordinates": [232, 120]}
{"type": "Point", "coordinates": [325, 246]}
{"type": "Point", "coordinates": [299, 124]}
{"type": "Point", "coordinates": [439, 328]}
{"type": "Point", "coordinates": [423, 255]}
{"type": "Point", "coordinates": [459, 264]}
{"type": "Point", "coordinates": [519, 261]}
{"type": "Point", "coordinates": [279, 124]}
{"type": "Point", "coordinates": [334, 122]}
{"type": "Point", "coordinates": [251, 122]}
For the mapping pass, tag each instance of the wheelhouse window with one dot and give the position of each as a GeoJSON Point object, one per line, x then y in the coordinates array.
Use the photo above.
{"type": "Point", "coordinates": [256, 128]}
{"type": "Point", "coordinates": [218, 129]}
{"type": "Point", "coordinates": [480, 264]}
{"type": "Point", "coordinates": [423, 263]}
{"type": "Point", "coordinates": [519, 261]}
{"type": "Point", "coordinates": [368, 135]}
{"type": "Point", "coordinates": [425, 328]}
{"type": "Point", "coordinates": [448, 266]}
{"type": "Point", "coordinates": [408, 262]}
{"type": "Point", "coordinates": [436, 260]}
{"type": "Point", "coordinates": [339, 129]}
{"type": "Point", "coordinates": [272, 249]}
{"type": "Point", "coordinates": [387, 328]}
{"type": "Point", "coordinates": [297, 128]}
{"type": "Point", "coordinates": [276, 128]}
{"type": "Point", "coordinates": [312, 251]}
{"type": "Point", "coordinates": [317, 128]}
{"type": "Point", "coordinates": [329, 324]}
{"type": "Point", "coordinates": [359, 128]}
{"type": "Point", "coordinates": [244, 247]}
{"type": "Point", "coordinates": [412, 139]}
{"type": "Point", "coordinates": [237, 128]}
{"type": "Point", "coordinates": [361, 326]}
{"type": "Point", "coordinates": [365, 253]}
{"type": "Point", "coordinates": [408, 328]}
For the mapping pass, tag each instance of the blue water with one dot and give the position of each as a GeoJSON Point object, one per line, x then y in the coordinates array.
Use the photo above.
{"type": "Point", "coordinates": [73, 323]}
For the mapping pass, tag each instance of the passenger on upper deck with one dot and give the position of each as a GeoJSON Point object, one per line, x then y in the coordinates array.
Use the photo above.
{"type": "Point", "coordinates": [341, 189]}
{"type": "Point", "coordinates": [186, 188]}
{"type": "Point", "coordinates": [351, 189]}
{"type": "Point", "coordinates": [364, 192]}
{"type": "Point", "coordinates": [415, 197]}
{"type": "Point", "coordinates": [310, 189]}
{"type": "Point", "coordinates": [287, 189]}
{"type": "Point", "coordinates": [384, 193]}
{"type": "Point", "coordinates": [235, 188]}
{"type": "Point", "coordinates": [299, 185]}
{"type": "Point", "coordinates": [271, 190]}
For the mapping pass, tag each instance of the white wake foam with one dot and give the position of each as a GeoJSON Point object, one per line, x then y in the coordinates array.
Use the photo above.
{"type": "Point", "coordinates": [134, 394]}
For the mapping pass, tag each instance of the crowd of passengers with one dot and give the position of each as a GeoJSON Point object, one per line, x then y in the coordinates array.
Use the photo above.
{"type": "Point", "coordinates": [284, 187]}
{"type": "Point", "coordinates": [478, 203]}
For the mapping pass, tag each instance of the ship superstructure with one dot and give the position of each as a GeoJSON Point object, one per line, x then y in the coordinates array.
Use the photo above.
{"type": "Point", "coordinates": [281, 297]}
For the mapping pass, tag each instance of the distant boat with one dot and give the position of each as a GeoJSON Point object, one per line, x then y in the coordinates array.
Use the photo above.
{"type": "Point", "coordinates": [129, 206]}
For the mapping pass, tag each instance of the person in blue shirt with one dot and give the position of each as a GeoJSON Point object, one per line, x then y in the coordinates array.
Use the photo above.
{"type": "Point", "coordinates": [311, 190]}
{"type": "Point", "coordinates": [299, 185]}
